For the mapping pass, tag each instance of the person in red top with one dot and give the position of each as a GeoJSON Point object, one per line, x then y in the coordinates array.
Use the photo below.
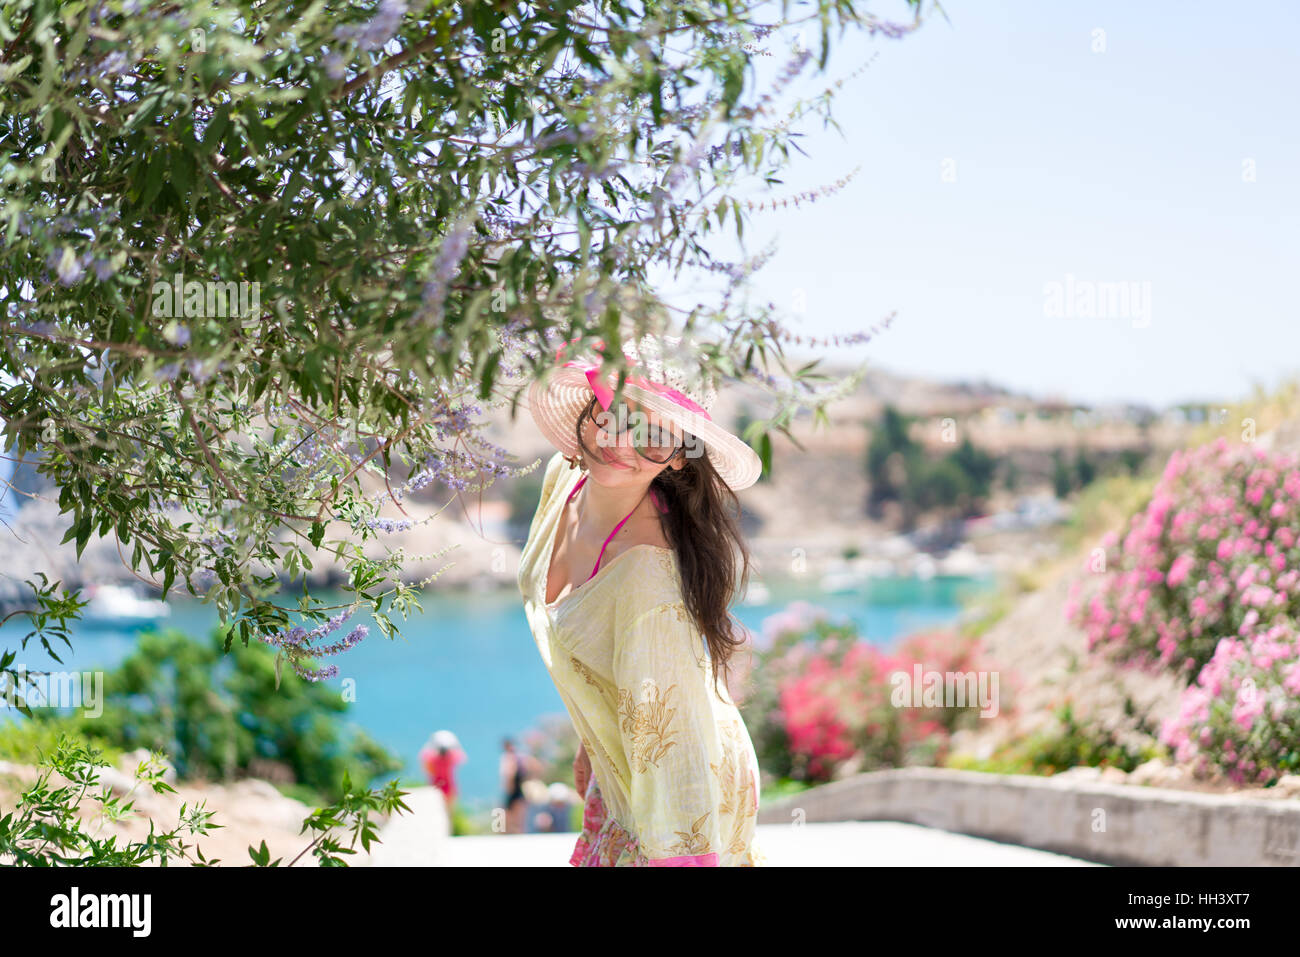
{"type": "Point", "coordinates": [440, 756]}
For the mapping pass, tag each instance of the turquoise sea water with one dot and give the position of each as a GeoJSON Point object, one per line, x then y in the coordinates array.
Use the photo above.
{"type": "Point", "coordinates": [468, 662]}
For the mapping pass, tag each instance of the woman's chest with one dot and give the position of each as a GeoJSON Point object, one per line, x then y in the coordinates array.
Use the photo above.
{"type": "Point", "coordinates": [578, 650]}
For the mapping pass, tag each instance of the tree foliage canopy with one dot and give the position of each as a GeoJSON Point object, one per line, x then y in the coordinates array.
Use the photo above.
{"type": "Point", "coordinates": [253, 251]}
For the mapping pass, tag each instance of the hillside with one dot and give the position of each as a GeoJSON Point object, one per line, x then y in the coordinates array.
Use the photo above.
{"type": "Point", "coordinates": [815, 501]}
{"type": "Point", "coordinates": [1049, 665]}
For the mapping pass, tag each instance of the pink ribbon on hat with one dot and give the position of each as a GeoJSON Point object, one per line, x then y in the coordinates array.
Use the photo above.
{"type": "Point", "coordinates": [605, 395]}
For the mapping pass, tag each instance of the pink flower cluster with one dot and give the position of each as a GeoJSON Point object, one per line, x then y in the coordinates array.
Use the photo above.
{"type": "Point", "coordinates": [1241, 716]}
{"type": "Point", "coordinates": [835, 701]}
{"type": "Point", "coordinates": [1206, 582]}
{"type": "Point", "coordinates": [827, 703]}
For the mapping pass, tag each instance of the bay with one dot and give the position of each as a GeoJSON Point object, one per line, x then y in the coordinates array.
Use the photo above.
{"type": "Point", "coordinates": [468, 662]}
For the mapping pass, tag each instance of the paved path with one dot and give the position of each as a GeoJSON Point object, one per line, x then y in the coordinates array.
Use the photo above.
{"type": "Point", "coordinates": [848, 843]}
{"type": "Point", "coordinates": [412, 838]}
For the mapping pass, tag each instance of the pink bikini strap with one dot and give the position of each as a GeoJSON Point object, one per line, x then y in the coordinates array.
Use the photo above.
{"type": "Point", "coordinates": [575, 490]}
{"type": "Point", "coordinates": [608, 538]}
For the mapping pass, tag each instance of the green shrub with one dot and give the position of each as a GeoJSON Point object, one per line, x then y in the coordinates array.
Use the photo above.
{"type": "Point", "coordinates": [214, 713]}
{"type": "Point", "coordinates": [1070, 744]}
{"type": "Point", "coordinates": [46, 827]}
{"type": "Point", "coordinates": [783, 788]}
{"type": "Point", "coordinates": [25, 742]}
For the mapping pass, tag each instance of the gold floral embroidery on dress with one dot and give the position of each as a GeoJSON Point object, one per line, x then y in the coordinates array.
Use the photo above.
{"type": "Point", "coordinates": [646, 722]}
{"type": "Point", "coordinates": [610, 762]}
{"type": "Point", "coordinates": [678, 607]}
{"type": "Point", "coordinates": [739, 803]}
{"type": "Point", "coordinates": [725, 770]}
{"type": "Point", "coordinates": [694, 841]}
{"type": "Point", "coordinates": [667, 564]}
{"type": "Point", "coordinates": [590, 677]}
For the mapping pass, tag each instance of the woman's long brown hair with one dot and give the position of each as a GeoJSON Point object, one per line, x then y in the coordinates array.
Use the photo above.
{"type": "Point", "coordinates": [702, 526]}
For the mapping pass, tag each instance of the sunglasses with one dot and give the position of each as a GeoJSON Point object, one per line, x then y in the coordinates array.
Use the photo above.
{"type": "Point", "coordinates": [653, 443]}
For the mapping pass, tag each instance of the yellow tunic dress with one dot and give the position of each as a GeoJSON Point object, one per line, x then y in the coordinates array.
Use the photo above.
{"type": "Point", "coordinates": [674, 774]}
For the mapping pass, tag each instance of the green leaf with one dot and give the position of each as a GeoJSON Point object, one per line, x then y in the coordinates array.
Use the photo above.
{"type": "Point", "coordinates": [182, 172]}
{"type": "Point", "coordinates": [217, 127]}
{"type": "Point", "coordinates": [169, 576]}
{"type": "Point", "coordinates": [765, 452]}
{"type": "Point", "coordinates": [485, 387]}
{"type": "Point", "coordinates": [145, 111]}
{"type": "Point", "coordinates": [84, 528]}
{"type": "Point", "coordinates": [153, 180]}
{"type": "Point", "coordinates": [262, 856]}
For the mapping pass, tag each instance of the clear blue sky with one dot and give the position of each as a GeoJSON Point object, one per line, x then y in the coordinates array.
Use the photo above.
{"type": "Point", "coordinates": [1120, 166]}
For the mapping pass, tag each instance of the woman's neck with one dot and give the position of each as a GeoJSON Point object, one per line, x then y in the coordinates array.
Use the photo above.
{"type": "Point", "coordinates": [600, 508]}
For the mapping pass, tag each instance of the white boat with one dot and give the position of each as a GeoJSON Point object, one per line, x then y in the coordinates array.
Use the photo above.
{"type": "Point", "coordinates": [757, 594]}
{"type": "Point", "coordinates": [839, 581]}
{"type": "Point", "coordinates": [962, 560]}
{"type": "Point", "coordinates": [121, 606]}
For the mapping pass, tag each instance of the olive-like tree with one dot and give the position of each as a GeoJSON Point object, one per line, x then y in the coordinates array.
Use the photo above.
{"type": "Point", "coordinates": [253, 251]}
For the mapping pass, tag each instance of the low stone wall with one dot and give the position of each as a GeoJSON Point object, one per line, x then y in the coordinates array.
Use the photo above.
{"type": "Point", "coordinates": [1116, 824]}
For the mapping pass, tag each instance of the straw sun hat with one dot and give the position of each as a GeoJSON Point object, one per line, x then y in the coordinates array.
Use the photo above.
{"type": "Point", "coordinates": [659, 380]}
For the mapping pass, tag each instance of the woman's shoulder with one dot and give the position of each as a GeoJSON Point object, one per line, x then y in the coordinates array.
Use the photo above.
{"type": "Point", "coordinates": [552, 478]}
{"type": "Point", "coordinates": [552, 471]}
{"type": "Point", "coordinates": [657, 561]}
{"type": "Point", "coordinates": [654, 570]}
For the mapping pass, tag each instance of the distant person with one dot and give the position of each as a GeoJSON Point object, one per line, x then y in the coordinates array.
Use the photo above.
{"type": "Point", "coordinates": [514, 772]}
{"type": "Point", "coordinates": [440, 756]}
{"type": "Point", "coordinates": [560, 799]}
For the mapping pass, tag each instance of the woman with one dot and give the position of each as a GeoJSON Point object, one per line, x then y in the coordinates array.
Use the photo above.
{"type": "Point", "coordinates": [514, 772]}
{"type": "Point", "coordinates": [440, 755]}
{"type": "Point", "coordinates": [626, 577]}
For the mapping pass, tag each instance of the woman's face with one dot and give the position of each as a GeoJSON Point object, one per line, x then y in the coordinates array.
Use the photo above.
{"type": "Point", "coordinates": [617, 461]}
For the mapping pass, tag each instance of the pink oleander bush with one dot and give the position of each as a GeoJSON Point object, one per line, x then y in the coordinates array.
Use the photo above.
{"type": "Point", "coordinates": [1214, 553]}
{"type": "Point", "coordinates": [1242, 714]}
{"type": "Point", "coordinates": [823, 697]}
{"type": "Point", "coordinates": [1206, 583]}
{"type": "Point", "coordinates": [828, 705]}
